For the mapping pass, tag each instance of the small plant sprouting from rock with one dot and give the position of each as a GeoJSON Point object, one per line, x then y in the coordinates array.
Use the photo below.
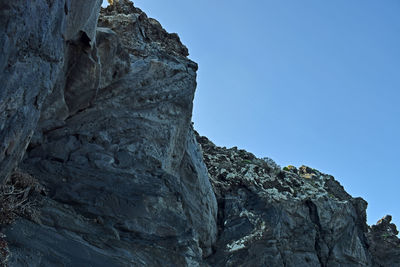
{"type": "Point", "coordinates": [290, 168]}
{"type": "Point", "coordinates": [271, 163]}
{"type": "Point", "coordinates": [385, 235]}
{"type": "Point", "coordinates": [246, 161]}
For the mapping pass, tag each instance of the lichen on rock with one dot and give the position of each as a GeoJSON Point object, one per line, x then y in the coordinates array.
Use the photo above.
{"type": "Point", "coordinates": [289, 217]}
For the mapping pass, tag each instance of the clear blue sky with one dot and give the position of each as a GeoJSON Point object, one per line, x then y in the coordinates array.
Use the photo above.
{"type": "Point", "coordinates": [303, 82]}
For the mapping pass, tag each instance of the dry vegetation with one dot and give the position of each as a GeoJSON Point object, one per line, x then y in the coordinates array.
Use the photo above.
{"type": "Point", "coordinates": [18, 197]}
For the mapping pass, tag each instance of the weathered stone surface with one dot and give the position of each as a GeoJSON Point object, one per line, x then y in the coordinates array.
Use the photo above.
{"type": "Point", "coordinates": [127, 183]}
{"type": "Point", "coordinates": [146, 37]}
{"type": "Point", "coordinates": [111, 55]}
{"type": "Point", "coordinates": [290, 217]}
{"type": "Point", "coordinates": [384, 243]}
{"type": "Point", "coordinates": [33, 37]}
{"type": "Point", "coordinates": [31, 56]}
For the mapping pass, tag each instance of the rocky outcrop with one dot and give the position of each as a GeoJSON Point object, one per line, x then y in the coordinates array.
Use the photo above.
{"type": "Point", "coordinates": [291, 217]}
{"type": "Point", "coordinates": [115, 149]}
{"type": "Point", "coordinates": [384, 243]}
{"type": "Point", "coordinates": [99, 107]}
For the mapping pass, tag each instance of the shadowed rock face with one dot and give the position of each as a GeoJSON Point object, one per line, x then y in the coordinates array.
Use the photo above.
{"type": "Point", "coordinates": [101, 106]}
{"type": "Point", "coordinates": [33, 52]}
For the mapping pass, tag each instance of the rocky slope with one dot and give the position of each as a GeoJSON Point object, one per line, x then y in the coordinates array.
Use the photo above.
{"type": "Point", "coordinates": [291, 217]}
{"type": "Point", "coordinates": [97, 108]}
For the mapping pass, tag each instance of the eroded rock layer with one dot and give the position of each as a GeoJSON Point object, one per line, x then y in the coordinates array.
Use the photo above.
{"type": "Point", "coordinates": [99, 106]}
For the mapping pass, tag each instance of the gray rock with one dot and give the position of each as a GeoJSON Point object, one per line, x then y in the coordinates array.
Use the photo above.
{"type": "Point", "coordinates": [106, 112]}
{"type": "Point", "coordinates": [384, 243]}
{"type": "Point", "coordinates": [295, 217]}
{"type": "Point", "coordinates": [33, 38]}
{"type": "Point", "coordinates": [127, 183]}
{"type": "Point", "coordinates": [31, 58]}
{"type": "Point", "coordinates": [112, 56]}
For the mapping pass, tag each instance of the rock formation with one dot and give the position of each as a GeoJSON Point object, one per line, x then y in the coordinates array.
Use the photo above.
{"type": "Point", "coordinates": [97, 108]}
{"type": "Point", "coordinates": [35, 39]}
{"type": "Point", "coordinates": [291, 217]}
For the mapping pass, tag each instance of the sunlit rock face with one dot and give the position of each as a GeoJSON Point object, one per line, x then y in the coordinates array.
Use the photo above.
{"type": "Point", "coordinates": [268, 216]}
{"type": "Point", "coordinates": [96, 105]}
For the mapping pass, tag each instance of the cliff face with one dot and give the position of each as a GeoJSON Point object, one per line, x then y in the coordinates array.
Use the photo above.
{"type": "Point", "coordinates": [115, 150]}
{"type": "Point", "coordinates": [99, 107]}
{"type": "Point", "coordinates": [34, 43]}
